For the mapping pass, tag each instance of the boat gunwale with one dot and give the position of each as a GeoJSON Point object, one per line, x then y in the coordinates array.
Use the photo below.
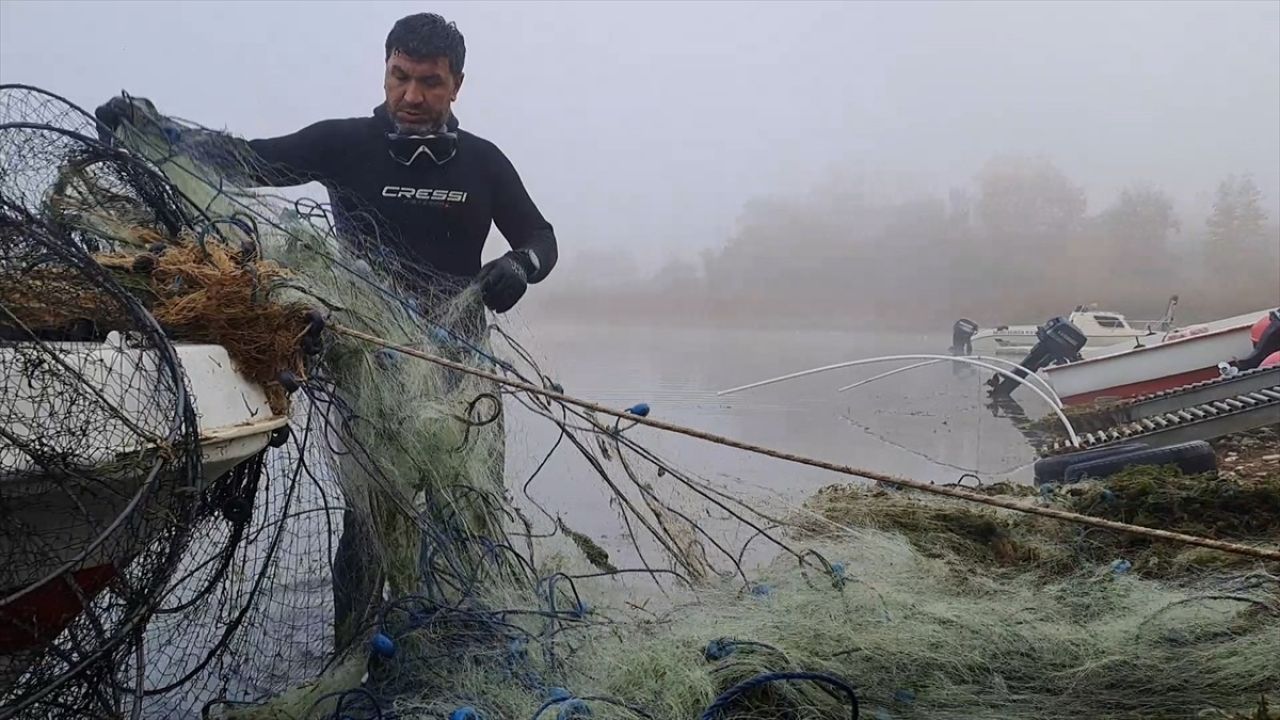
{"type": "Point", "coordinates": [1132, 351]}
{"type": "Point", "coordinates": [246, 429]}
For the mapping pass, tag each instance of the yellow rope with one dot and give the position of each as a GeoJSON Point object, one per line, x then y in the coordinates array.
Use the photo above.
{"type": "Point", "coordinates": [952, 492]}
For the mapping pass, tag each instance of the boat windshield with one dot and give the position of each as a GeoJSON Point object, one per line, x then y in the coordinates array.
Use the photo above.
{"type": "Point", "coordinates": [1110, 321]}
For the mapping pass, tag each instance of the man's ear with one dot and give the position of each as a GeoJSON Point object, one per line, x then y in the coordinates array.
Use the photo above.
{"type": "Point", "coordinates": [457, 85]}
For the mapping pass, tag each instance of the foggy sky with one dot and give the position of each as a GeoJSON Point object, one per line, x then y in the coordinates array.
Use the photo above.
{"type": "Point", "coordinates": [641, 129]}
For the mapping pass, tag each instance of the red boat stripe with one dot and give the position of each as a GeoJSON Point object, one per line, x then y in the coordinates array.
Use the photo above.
{"type": "Point", "coordinates": [1145, 387]}
{"type": "Point", "coordinates": [39, 616]}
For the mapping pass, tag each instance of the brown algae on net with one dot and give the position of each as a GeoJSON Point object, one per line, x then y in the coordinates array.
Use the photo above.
{"type": "Point", "coordinates": [202, 292]}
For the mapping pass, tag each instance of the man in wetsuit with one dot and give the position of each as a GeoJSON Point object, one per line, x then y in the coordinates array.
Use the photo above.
{"type": "Point", "coordinates": [436, 190]}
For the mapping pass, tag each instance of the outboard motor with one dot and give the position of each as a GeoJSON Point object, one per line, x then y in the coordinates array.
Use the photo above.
{"type": "Point", "coordinates": [962, 337]}
{"type": "Point", "coordinates": [1266, 343]}
{"type": "Point", "coordinates": [1060, 341]}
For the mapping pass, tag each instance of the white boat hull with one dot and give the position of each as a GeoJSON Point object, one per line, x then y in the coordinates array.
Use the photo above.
{"type": "Point", "coordinates": [54, 565]}
{"type": "Point", "coordinates": [1015, 341]}
{"type": "Point", "coordinates": [1103, 330]}
{"type": "Point", "coordinates": [1188, 356]}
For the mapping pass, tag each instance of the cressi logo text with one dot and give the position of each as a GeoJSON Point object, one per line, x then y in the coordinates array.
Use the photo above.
{"type": "Point", "coordinates": [429, 194]}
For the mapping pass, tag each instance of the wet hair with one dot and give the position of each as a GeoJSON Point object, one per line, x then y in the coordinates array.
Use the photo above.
{"type": "Point", "coordinates": [427, 35]}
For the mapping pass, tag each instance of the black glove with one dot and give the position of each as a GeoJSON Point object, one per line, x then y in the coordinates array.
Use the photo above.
{"type": "Point", "coordinates": [503, 281]}
{"type": "Point", "coordinates": [138, 112]}
{"type": "Point", "coordinates": [124, 108]}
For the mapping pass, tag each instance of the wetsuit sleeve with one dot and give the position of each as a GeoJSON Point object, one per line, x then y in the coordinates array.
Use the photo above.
{"type": "Point", "coordinates": [305, 156]}
{"type": "Point", "coordinates": [519, 220]}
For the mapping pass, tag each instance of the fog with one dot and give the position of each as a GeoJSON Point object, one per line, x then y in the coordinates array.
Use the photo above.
{"type": "Point", "coordinates": [835, 162]}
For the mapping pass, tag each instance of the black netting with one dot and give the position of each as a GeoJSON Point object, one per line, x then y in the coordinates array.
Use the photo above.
{"type": "Point", "coordinates": [98, 470]}
{"type": "Point", "coordinates": [100, 478]}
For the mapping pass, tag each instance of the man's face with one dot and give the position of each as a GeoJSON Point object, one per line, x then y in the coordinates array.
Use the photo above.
{"type": "Point", "coordinates": [419, 92]}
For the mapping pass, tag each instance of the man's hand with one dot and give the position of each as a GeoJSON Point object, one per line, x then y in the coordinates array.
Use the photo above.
{"type": "Point", "coordinates": [503, 281]}
{"type": "Point", "coordinates": [124, 108]}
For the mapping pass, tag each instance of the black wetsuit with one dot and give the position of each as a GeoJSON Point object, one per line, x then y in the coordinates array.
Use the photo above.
{"type": "Point", "coordinates": [434, 216]}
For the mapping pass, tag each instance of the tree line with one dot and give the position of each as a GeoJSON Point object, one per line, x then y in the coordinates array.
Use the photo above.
{"type": "Point", "coordinates": [1017, 245]}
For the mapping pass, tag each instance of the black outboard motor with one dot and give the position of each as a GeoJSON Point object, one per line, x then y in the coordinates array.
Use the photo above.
{"type": "Point", "coordinates": [962, 337]}
{"type": "Point", "coordinates": [1268, 343]}
{"type": "Point", "coordinates": [1059, 342]}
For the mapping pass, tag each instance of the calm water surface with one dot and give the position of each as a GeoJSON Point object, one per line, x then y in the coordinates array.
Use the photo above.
{"type": "Point", "coordinates": [930, 424]}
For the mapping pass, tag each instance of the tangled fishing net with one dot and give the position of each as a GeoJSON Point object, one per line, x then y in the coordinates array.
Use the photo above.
{"type": "Point", "coordinates": [98, 454]}
{"type": "Point", "coordinates": [373, 562]}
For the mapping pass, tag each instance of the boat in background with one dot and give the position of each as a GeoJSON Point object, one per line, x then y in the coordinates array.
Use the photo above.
{"type": "Point", "coordinates": [1104, 329]}
{"type": "Point", "coordinates": [1183, 356]}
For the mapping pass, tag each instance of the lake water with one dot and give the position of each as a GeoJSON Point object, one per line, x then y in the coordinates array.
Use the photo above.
{"type": "Point", "coordinates": [929, 424]}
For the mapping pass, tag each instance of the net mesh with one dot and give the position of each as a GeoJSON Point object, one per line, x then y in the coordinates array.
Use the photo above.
{"type": "Point", "coordinates": [98, 448]}
{"type": "Point", "coordinates": [373, 562]}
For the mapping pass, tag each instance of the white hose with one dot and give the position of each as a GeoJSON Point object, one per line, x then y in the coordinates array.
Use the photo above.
{"type": "Point", "coordinates": [886, 374]}
{"type": "Point", "coordinates": [1071, 432]}
{"type": "Point", "coordinates": [1056, 401]}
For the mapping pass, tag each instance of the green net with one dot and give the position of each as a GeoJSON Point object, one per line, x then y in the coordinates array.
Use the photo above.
{"type": "Point", "coordinates": [390, 570]}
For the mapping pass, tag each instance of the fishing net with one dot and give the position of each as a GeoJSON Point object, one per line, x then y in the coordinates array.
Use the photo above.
{"type": "Point", "coordinates": [98, 451]}
{"type": "Point", "coordinates": [375, 562]}
{"type": "Point", "coordinates": [102, 447]}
